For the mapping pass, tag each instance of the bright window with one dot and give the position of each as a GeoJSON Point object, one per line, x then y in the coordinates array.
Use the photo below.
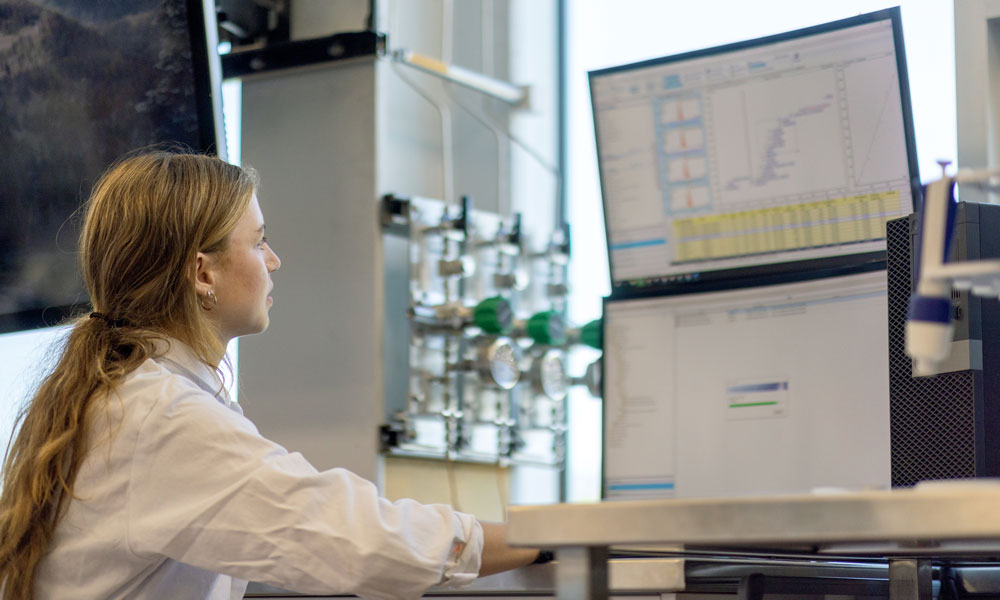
{"type": "Point", "coordinates": [23, 358]}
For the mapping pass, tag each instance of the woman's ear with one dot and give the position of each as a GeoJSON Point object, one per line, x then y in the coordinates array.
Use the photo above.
{"type": "Point", "coordinates": [204, 273]}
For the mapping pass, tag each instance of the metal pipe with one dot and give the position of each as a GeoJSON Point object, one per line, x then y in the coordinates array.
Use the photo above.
{"type": "Point", "coordinates": [501, 90]}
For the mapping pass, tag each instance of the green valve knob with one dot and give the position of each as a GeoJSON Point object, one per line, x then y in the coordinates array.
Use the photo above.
{"type": "Point", "coordinates": [547, 328]}
{"type": "Point", "coordinates": [592, 334]}
{"type": "Point", "coordinates": [494, 316]}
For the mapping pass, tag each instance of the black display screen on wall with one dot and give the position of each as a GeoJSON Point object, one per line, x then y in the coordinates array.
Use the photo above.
{"type": "Point", "coordinates": [81, 84]}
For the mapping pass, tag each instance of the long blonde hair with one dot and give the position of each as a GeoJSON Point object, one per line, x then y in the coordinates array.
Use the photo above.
{"type": "Point", "coordinates": [146, 220]}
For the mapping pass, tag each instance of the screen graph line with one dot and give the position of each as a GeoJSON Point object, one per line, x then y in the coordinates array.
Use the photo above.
{"type": "Point", "coordinates": [879, 124]}
{"type": "Point", "coordinates": [776, 157]}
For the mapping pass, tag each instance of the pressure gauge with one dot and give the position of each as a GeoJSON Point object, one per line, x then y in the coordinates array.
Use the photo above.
{"type": "Point", "coordinates": [548, 375]}
{"type": "Point", "coordinates": [497, 362]}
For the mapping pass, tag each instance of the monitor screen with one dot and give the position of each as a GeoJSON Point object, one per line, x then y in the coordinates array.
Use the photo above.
{"type": "Point", "coordinates": [779, 156]}
{"type": "Point", "coordinates": [772, 389]}
{"type": "Point", "coordinates": [81, 84]}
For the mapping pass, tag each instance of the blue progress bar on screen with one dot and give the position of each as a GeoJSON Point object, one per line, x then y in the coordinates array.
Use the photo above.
{"type": "Point", "coordinates": [639, 244]}
{"type": "Point", "coordinates": [621, 487]}
{"type": "Point", "coordinates": [758, 387]}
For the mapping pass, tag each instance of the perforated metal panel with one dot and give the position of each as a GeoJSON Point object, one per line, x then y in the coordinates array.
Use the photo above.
{"type": "Point", "coordinates": [932, 419]}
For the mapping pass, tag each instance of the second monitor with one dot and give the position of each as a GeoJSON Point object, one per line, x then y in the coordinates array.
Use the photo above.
{"type": "Point", "coordinates": [762, 390]}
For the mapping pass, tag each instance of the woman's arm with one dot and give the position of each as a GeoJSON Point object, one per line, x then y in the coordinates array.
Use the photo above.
{"type": "Point", "coordinates": [497, 555]}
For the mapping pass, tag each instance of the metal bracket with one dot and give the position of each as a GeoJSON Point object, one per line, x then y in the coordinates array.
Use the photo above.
{"type": "Point", "coordinates": [582, 573]}
{"type": "Point", "coordinates": [300, 53]}
{"type": "Point", "coordinates": [910, 579]}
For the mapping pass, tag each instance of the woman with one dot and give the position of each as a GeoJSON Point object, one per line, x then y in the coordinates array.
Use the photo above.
{"type": "Point", "coordinates": [133, 475]}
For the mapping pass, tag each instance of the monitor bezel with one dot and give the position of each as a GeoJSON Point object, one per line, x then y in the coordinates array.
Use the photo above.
{"type": "Point", "coordinates": [782, 271]}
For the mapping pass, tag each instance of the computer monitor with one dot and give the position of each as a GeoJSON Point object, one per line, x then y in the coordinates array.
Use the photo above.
{"type": "Point", "coordinates": [778, 157]}
{"type": "Point", "coordinates": [759, 390]}
{"type": "Point", "coordinates": [81, 84]}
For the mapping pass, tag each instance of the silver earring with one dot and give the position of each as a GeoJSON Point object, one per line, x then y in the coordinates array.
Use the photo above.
{"type": "Point", "coordinates": [208, 301]}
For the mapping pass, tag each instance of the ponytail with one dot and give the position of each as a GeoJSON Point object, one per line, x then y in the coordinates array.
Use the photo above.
{"type": "Point", "coordinates": [42, 462]}
{"type": "Point", "coordinates": [146, 220]}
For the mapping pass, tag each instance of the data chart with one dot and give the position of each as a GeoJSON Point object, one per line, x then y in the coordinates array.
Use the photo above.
{"type": "Point", "coordinates": [791, 149]}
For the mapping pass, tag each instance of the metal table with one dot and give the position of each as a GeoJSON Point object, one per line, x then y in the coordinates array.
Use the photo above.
{"type": "Point", "coordinates": [909, 528]}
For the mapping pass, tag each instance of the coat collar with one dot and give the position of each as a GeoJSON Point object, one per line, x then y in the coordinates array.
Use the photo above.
{"type": "Point", "coordinates": [178, 358]}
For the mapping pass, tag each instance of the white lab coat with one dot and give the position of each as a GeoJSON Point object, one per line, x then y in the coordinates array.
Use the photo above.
{"type": "Point", "coordinates": [179, 496]}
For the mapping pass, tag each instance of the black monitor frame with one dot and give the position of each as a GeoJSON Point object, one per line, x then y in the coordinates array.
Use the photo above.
{"type": "Point", "coordinates": [778, 272]}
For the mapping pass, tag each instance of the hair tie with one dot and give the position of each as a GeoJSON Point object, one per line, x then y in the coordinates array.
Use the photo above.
{"type": "Point", "coordinates": [114, 323]}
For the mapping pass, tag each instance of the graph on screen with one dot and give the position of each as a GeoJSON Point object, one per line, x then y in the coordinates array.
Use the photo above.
{"type": "Point", "coordinates": [789, 149]}
{"type": "Point", "coordinates": [771, 150]}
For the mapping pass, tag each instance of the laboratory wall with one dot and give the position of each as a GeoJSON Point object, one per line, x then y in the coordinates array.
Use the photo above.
{"type": "Point", "coordinates": [328, 142]}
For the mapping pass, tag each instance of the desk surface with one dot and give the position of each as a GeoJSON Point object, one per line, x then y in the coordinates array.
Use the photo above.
{"type": "Point", "coordinates": [947, 518]}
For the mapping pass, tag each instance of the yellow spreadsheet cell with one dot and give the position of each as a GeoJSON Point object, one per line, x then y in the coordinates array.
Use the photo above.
{"type": "Point", "coordinates": [849, 232]}
{"type": "Point", "coordinates": [798, 226]}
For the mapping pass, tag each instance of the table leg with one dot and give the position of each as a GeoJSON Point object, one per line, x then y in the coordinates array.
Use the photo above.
{"type": "Point", "coordinates": [582, 573]}
{"type": "Point", "coordinates": [910, 579]}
